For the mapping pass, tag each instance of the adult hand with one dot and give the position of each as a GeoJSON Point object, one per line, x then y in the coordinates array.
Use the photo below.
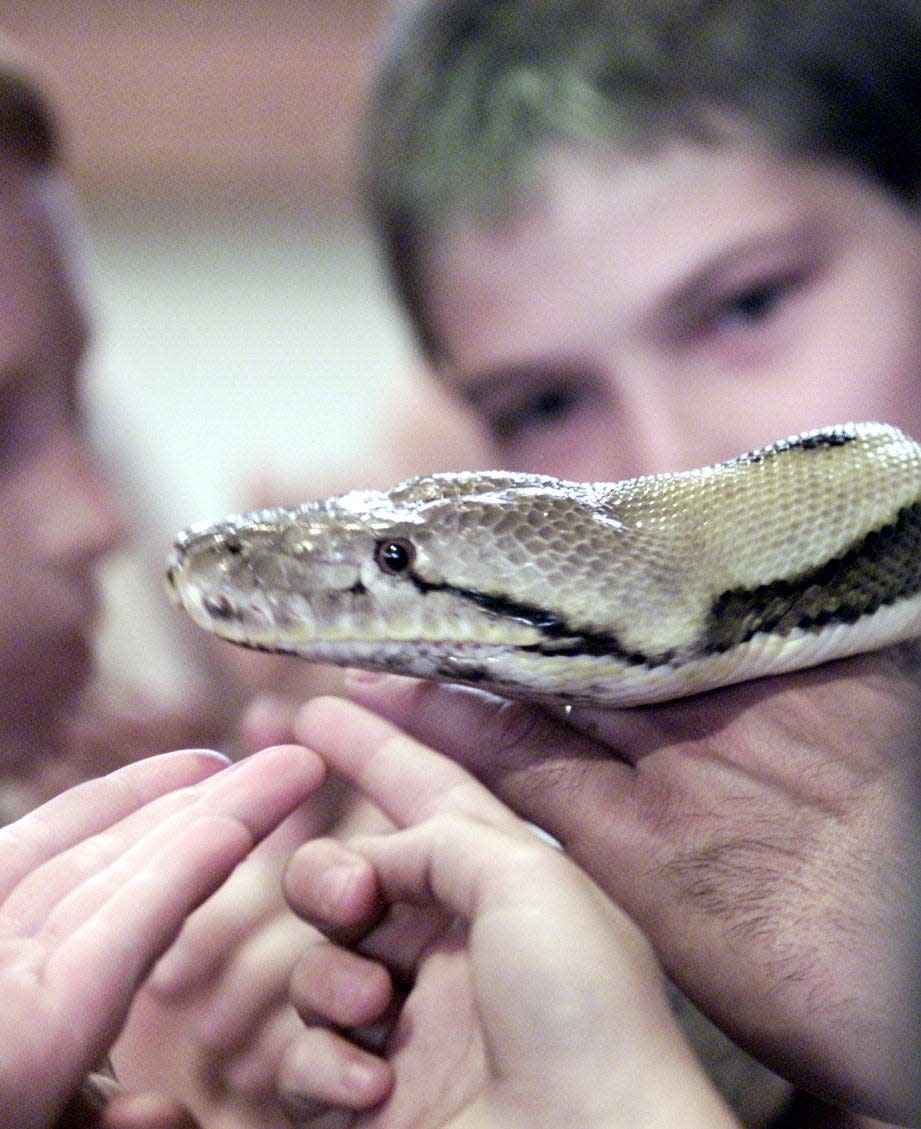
{"type": "Point", "coordinates": [555, 1011]}
{"type": "Point", "coordinates": [757, 834]}
{"type": "Point", "coordinates": [96, 884]}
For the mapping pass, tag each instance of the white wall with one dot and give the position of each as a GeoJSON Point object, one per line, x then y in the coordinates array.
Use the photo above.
{"type": "Point", "coordinates": [230, 346]}
{"type": "Point", "coordinates": [234, 344]}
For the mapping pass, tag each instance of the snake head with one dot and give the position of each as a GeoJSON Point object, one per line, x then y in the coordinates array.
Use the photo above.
{"type": "Point", "coordinates": [431, 573]}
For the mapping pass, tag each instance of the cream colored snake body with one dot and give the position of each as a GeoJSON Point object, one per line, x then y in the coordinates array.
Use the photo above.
{"type": "Point", "coordinates": [620, 593]}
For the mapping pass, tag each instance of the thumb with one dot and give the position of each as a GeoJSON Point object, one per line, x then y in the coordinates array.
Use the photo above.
{"type": "Point", "coordinates": [550, 773]}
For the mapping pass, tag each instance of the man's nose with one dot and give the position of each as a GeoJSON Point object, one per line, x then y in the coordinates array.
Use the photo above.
{"type": "Point", "coordinates": [77, 518]}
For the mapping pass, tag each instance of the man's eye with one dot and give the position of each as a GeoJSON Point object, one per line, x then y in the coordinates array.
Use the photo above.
{"type": "Point", "coordinates": [551, 404]}
{"type": "Point", "coordinates": [545, 407]}
{"type": "Point", "coordinates": [752, 305]}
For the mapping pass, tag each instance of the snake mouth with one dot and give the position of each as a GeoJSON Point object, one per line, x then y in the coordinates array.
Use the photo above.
{"type": "Point", "coordinates": [234, 619]}
{"type": "Point", "coordinates": [287, 624]}
{"type": "Point", "coordinates": [171, 576]}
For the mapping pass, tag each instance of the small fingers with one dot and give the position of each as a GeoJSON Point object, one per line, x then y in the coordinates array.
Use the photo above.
{"type": "Point", "coordinates": [215, 935]}
{"type": "Point", "coordinates": [146, 1111]}
{"type": "Point", "coordinates": [100, 1105]}
{"type": "Point", "coordinates": [268, 720]}
{"type": "Point", "coordinates": [337, 890]}
{"type": "Point", "coordinates": [530, 758]}
{"type": "Point", "coordinates": [407, 780]}
{"type": "Point", "coordinates": [491, 736]}
{"type": "Point", "coordinates": [322, 1072]}
{"type": "Point", "coordinates": [333, 888]}
{"type": "Point", "coordinates": [255, 794]}
{"type": "Point", "coordinates": [94, 806]}
{"type": "Point", "coordinates": [339, 987]}
{"type": "Point", "coordinates": [252, 986]}
{"type": "Point", "coordinates": [252, 1067]}
{"type": "Point", "coordinates": [101, 938]}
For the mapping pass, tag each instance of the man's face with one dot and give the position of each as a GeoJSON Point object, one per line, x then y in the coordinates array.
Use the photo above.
{"type": "Point", "coordinates": [663, 311]}
{"type": "Point", "coordinates": [55, 516]}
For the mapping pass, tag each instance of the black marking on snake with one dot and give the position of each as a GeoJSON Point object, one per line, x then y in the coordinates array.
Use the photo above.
{"type": "Point", "coordinates": [559, 637]}
{"type": "Point", "coordinates": [469, 672]}
{"type": "Point", "coordinates": [811, 441]}
{"type": "Point", "coordinates": [883, 567]}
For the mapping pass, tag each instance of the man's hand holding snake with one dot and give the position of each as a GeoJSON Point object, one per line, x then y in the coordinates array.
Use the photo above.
{"type": "Point", "coordinates": [757, 835]}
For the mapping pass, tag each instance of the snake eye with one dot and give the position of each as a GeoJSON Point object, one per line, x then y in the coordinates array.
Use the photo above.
{"type": "Point", "coordinates": [394, 556]}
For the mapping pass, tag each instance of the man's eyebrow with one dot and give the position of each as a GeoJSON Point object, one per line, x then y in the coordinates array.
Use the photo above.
{"type": "Point", "coordinates": [486, 383]}
{"type": "Point", "coordinates": [476, 387]}
{"type": "Point", "coordinates": [808, 237]}
{"type": "Point", "coordinates": [479, 387]}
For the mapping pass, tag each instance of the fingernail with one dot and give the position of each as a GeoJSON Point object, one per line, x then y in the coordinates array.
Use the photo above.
{"type": "Point", "coordinates": [168, 975]}
{"type": "Point", "coordinates": [362, 678]}
{"type": "Point", "coordinates": [336, 884]}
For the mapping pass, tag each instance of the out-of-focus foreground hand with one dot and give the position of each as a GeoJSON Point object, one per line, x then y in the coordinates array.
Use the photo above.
{"type": "Point", "coordinates": [213, 1020]}
{"type": "Point", "coordinates": [102, 1104]}
{"type": "Point", "coordinates": [555, 1011]}
{"type": "Point", "coordinates": [95, 885]}
{"type": "Point", "coordinates": [760, 835]}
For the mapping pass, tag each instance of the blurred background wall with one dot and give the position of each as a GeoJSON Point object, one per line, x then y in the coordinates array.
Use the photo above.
{"type": "Point", "coordinates": [245, 333]}
{"type": "Point", "coordinates": [243, 327]}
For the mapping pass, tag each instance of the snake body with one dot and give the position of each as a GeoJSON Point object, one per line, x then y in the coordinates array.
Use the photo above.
{"type": "Point", "coordinates": [620, 593]}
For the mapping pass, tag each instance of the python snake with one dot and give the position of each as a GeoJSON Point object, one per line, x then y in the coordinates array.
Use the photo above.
{"type": "Point", "coordinates": [619, 593]}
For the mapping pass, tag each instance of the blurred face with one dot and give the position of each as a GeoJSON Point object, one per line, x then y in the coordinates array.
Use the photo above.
{"type": "Point", "coordinates": [55, 516]}
{"type": "Point", "coordinates": [663, 311]}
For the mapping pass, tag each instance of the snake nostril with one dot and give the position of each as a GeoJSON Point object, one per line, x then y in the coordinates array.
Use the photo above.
{"type": "Point", "coordinates": [220, 606]}
{"type": "Point", "coordinates": [174, 568]}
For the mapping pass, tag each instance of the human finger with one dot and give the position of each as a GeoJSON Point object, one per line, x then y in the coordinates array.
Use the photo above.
{"type": "Point", "coordinates": [255, 795]}
{"type": "Point", "coordinates": [339, 987]}
{"type": "Point", "coordinates": [268, 720]}
{"type": "Point", "coordinates": [252, 985]}
{"type": "Point", "coordinates": [101, 945]}
{"type": "Point", "coordinates": [251, 1068]}
{"type": "Point", "coordinates": [407, 780]}
{"type": "Point", "coordinates": [526, 754]}
{"type": "Point", "coordinates": [145, 1111]}
{"type": "Point", "coordinates": [94, 805]}
{"type": "Point", "coordinates": [322, 1071]}
{"type": "Point", "coordinates": [334, 888]}
{"type": "Point", "coordinates": [215, 933]}
{"type": "Point", "coordinates": [713, 818]}
{"type": "Point", "coordinates": [36, 895]}
{"type": "Point", "coordinates": [220, 928]}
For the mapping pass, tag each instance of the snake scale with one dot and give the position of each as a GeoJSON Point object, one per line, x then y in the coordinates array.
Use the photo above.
{"type": "Point", "coordinates": [619, 593]}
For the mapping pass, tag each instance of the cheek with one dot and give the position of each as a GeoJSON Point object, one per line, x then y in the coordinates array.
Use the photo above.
{"type": "Point", "coordinates": [859, 358]}
{"type": "Point", "coordinates": [871, 365]}
{"type": "Point", "coordinates": [588, 448]}
{"type": "Point", "coordinates": [24, 601]}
